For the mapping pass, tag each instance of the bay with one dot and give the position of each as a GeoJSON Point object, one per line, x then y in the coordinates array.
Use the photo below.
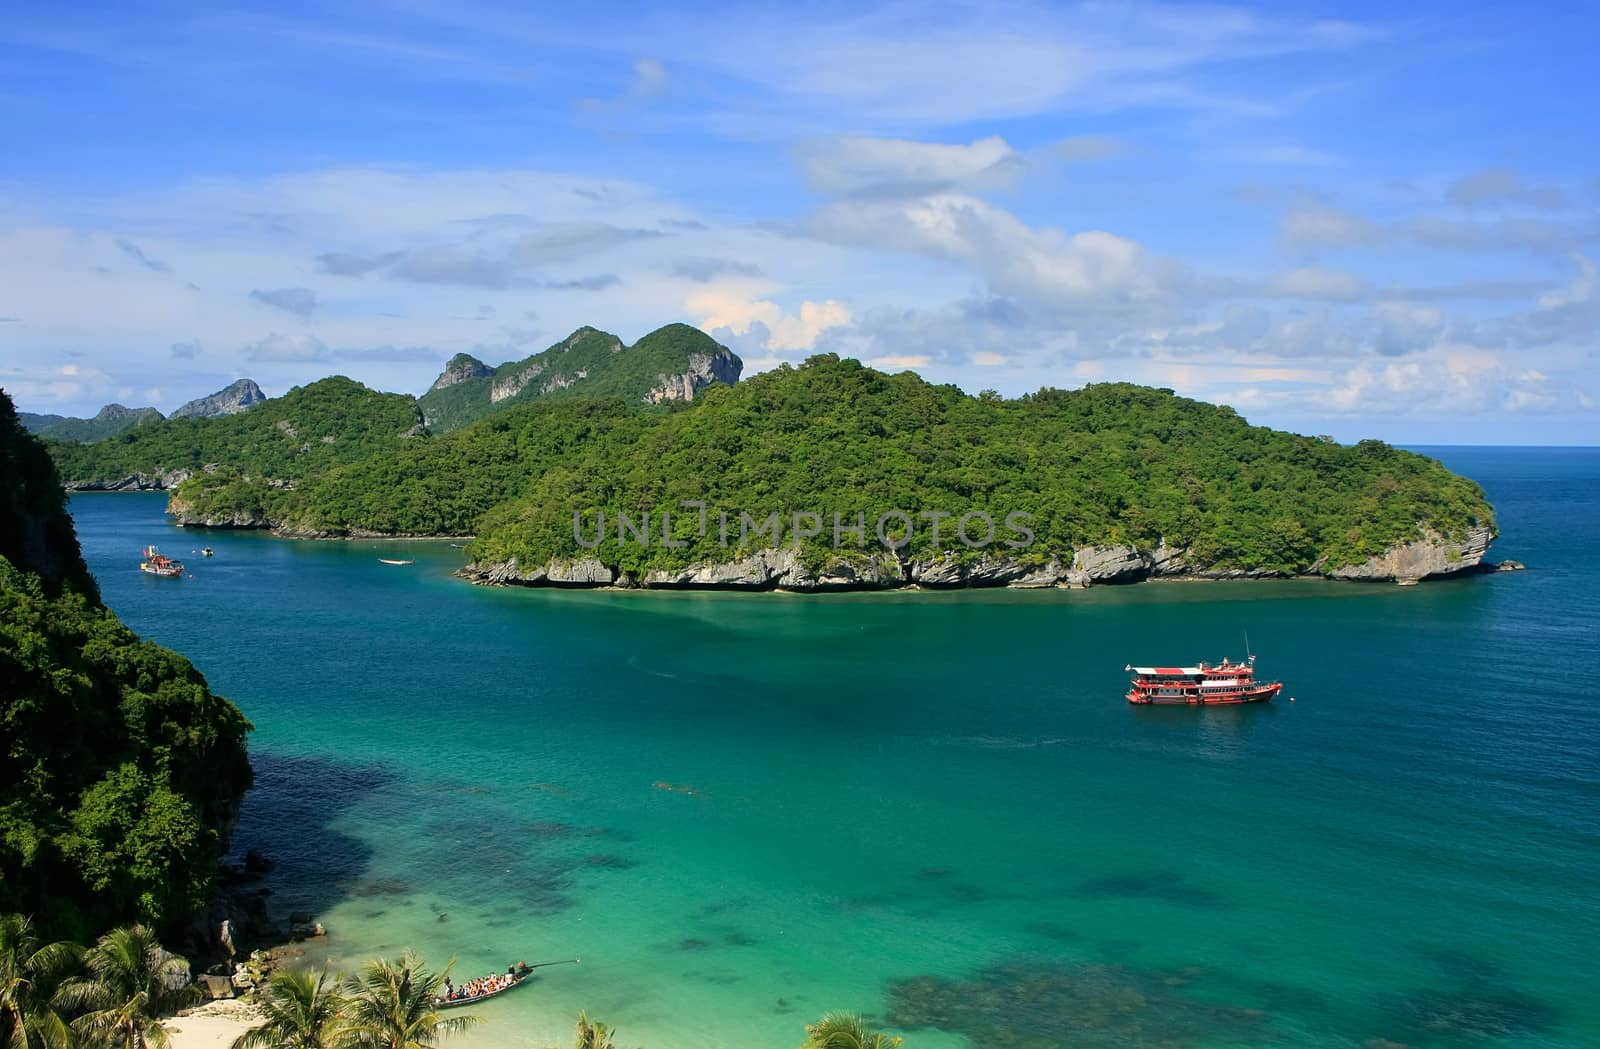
{"type": "Point", "coordinates": [742, 811]}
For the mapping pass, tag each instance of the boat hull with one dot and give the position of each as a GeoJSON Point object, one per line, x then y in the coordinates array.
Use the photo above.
{"type": "Point", "coordinates": [1254, 694]}
{"type": "Point", "coordinates": [457, 1003]}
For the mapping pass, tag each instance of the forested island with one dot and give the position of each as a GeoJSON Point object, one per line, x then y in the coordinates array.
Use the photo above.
{"type": "Point", "coordinates": [830, 475]}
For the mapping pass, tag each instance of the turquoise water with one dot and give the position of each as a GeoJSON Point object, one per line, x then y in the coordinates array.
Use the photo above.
{"type": "Point", "coordinates": [742, 811]}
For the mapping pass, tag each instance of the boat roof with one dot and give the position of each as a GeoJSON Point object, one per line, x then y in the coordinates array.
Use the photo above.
{"type": "Point", "coordinates": [1167, 671]}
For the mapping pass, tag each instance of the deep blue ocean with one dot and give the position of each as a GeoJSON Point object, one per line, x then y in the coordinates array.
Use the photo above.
{"type": "Point", "coordinates": [742, 811]}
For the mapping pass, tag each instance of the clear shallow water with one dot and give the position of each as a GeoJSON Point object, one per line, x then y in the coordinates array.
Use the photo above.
{"type": "Point", "coordinates": [743, 811]}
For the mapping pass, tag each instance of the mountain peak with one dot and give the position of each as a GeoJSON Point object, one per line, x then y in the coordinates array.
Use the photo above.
{"type": "Point", "coordinates": [460, 368]}
{"type": "Point", "coordinates": [230, 400]}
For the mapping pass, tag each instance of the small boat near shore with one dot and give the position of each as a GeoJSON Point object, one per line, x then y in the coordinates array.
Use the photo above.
{"type": "Point", "coordinates": [158, 564]}
{"type": "Point", "coordinates": [392, 561]}
{"type": "Point", "coordinates": [1208, 684]}
{"type": "Point", "coordinates": [491, 986]}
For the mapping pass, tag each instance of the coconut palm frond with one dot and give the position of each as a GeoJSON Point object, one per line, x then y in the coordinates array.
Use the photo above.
{"type": "Point", "coordinates": [846, 1031]}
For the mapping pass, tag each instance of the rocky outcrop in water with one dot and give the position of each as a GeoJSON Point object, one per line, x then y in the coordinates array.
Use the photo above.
{"type": "Point", "coordinates": [1432, 555]}
{"type": "Point", "coordinates": [230, 400]}
{"type": "Point", "coordinates": [136, 482]}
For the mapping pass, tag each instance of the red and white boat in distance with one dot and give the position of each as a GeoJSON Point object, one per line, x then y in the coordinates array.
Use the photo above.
{"type": "Point", "coordinates": [1204, 685]}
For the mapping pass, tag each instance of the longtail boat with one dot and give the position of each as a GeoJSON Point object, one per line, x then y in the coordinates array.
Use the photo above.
{"type": "Point", "coordinates": [1204, 685]}
{"type": "Point", "coordinates": [159, 564]}
{"type": "Point", "coordinates": [493, 985]}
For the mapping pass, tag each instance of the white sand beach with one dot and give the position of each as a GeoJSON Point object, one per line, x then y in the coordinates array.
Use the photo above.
{"type": "Point", "coordinates": [211, 1026]}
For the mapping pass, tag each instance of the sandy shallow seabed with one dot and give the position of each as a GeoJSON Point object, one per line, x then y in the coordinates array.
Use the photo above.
{"type": "Point", "coordinates": [211, 1026]}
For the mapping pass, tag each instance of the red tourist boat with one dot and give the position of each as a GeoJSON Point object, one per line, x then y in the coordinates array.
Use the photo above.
{"type": "Point", "coordinates": [157, 563]}
{"type": "Point", "coordinates": [1204, 685]}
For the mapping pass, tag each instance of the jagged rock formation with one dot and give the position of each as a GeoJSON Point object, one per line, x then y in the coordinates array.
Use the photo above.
{"type": "Point", "coordinates": [1432, 555]}
{"type": "Point", "coordinates": [460, 368]}
{"type": "Point", "coordinates": [702, 370]}
{"type": "Point", "coordinates": [671, 363]}
{"type": "Point", "coordinates": [230, 400]}
{"type": "Point", "coordinates": [162, 481]}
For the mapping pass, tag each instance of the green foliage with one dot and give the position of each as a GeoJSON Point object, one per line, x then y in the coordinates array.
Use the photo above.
{"type": "Point", "coordinates": [111, 420]}
{"type": "Point", "coordinates": [30, 972]}
{"type": "Point", "coordinates": [444, 485]}
{"type": "Point", "coordinates": [593, 1035]}
{"type": "Point", "coordinates": [588, 363]}
{"type": "Point", "coordinates": [132, 981]}
{"type": "Point", "coordinates": [35, 532]}
{"type": "Point", "coordinates": [307, 430]}
{"type": "Point", "coordinates": [846, 1031]}
{"type": "Point", "coordinates": [1109, 464]}
{"type": "Point", "coordinates": [299, 1010]}
{"type": "Point", "coordinates": [394, 1005]}
{"type": "Point", "coordinates": [1112, 463]}
{"type": "Point", "coordinates": [117, 817]}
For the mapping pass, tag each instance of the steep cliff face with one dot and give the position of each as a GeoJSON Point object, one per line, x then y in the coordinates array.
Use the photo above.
{"type": "Point", "coordinates": [459, 369]}
{"type": "Point", "coordinates": [1431, 556]}
{"type": "Point", "coordinates": [232, 399]}
{"type": "Point", "coordinates": [703, 370]}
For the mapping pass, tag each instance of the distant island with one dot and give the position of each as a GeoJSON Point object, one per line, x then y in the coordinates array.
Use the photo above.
{"type": "Point", "coordinates": [114, 419]}
{"type": "Point", "coordinates": [653, 466]}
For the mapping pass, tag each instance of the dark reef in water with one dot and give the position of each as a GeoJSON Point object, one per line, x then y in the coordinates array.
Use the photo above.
{"type": "Point", "coordinates": [1165, 886]}
{"type": "Point", "coordinates": [1046, 1004]}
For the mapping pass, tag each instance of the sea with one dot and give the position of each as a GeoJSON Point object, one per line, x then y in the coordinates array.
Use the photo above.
{"type": "Point", "coordinates": [741, 812]}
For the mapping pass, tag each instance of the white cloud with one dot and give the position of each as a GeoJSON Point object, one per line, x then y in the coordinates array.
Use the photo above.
{"type": "Point", "coordinates": [727, 309]}
{"type": "Point", "coordinates": [900, 167]}
{"type": "Point", "coordinates": [278, 347]}
{"type": "Point", "coordinates": [1315, 282]}
{"type": "Point", "coordinates": [899, 361]}
{"type": "Point", "coordinates": [1582, 289]}
{"type": "Point", "coordinates": [1327, 227]}
{"type": "Point", "coordinates": [1503, 186]}
{"type": "Point", "coordinates": [1093, 268]}
{"type": "Point", "coordinates": [649, 78]}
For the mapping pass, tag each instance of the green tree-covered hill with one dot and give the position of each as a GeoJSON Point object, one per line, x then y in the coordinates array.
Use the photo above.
{"type": "Point", "coordinates": [307, 430]}
{"type": "Point", "coordinates": [1108, 464]}
{"type": "Point", "coordinates": [120, 771]}
{"type": "Point", "coordinates": [670, 363]}
{"type": "Point", "coordinates": [109, 421]}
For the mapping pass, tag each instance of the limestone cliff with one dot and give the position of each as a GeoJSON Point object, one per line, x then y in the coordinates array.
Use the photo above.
{"type": "Point", "coordinates": [1432, 556]}
{"type": "Point", "coordinates": [230, 400]}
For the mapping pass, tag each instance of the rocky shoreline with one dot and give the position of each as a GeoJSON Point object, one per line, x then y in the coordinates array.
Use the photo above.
{"type": "Point", "coordinates": [1430, 557]}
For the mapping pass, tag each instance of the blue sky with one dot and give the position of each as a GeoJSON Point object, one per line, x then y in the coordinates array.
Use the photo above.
{"type": "Point", "coordinates": [1358, 219]}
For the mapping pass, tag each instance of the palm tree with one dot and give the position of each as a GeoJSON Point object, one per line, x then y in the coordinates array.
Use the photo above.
{"type": "Point", "coordinates": [299, 1011]}
{"type": "Point", "coordinates": [29, 973]}
{"type": "Point", "coordinates": [395, 1005]}
{"type": "Point", "coordinates": [846, 1031]}
{"type": "Point", "coordinates": [593, 1035]}
{"type": "Point", "coordinates": [132, 980]}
